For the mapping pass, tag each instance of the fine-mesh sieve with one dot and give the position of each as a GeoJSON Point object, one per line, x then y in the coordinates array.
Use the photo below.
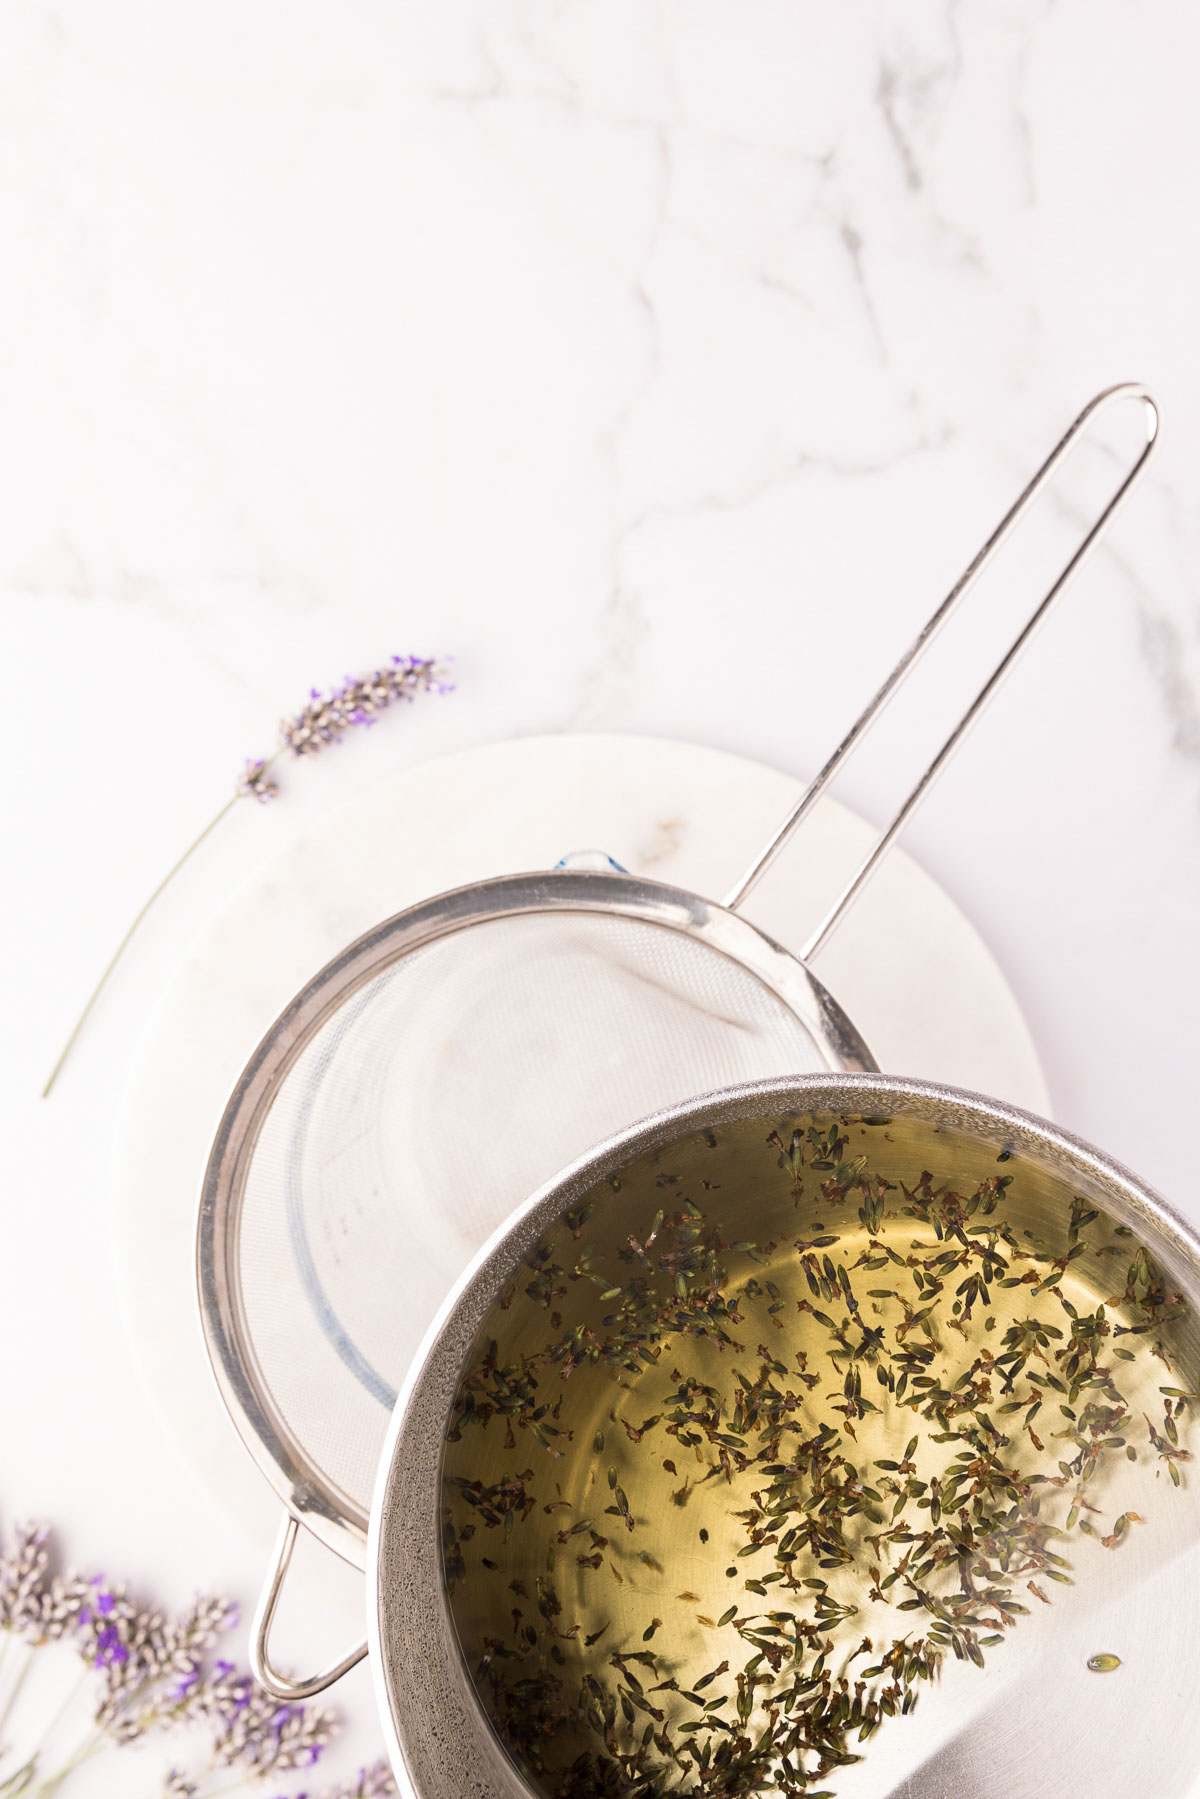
{"type": "Point", "coordinates": [448, 1062]}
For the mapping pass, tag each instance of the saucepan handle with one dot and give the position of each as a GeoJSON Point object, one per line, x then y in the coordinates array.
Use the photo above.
{"type": "Point", "coordinates": [282, 1686]}
{"type": "Point", "coordinates": [1112, 396]}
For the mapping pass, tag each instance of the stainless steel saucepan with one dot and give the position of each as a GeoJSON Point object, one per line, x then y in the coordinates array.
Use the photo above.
{"type": "Point", "coordinates": [1096, 1696]}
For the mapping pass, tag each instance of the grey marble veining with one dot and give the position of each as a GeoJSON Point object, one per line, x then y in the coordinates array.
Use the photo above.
{"type": "Point", "coordinates": [665, 360]}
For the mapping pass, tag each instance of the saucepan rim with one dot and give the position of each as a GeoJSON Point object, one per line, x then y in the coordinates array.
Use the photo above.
{"type": "Point", "coordinates": [410, 1632]}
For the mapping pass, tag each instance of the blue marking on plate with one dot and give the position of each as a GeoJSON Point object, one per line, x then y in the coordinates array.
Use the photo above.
{"type": "Point", "coordinates": [574, 857]}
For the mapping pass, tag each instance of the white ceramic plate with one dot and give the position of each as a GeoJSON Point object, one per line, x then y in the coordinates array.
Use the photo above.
{"type": "Point", "coordinates": [908, 967]}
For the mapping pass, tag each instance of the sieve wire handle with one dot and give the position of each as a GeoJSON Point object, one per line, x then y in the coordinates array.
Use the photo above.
{"type": "Point", "coordinates": [282, 1686]}
{"type": "Point", "coordinates": [1128, 390]}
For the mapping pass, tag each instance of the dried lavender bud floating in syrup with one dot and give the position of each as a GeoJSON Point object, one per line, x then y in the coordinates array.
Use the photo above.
{"type": "Point", "coordinates": [749, 1457]}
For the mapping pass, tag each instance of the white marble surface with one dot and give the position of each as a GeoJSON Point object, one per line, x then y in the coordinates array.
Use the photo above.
{"type": "Point", "coordinates": [665, 362]}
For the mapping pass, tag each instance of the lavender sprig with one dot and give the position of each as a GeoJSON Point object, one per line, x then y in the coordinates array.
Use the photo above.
{"type": "Point", "coordinates": [254, 1731]}
{"type": "Point", "coordinates": [375, 1782]}
{"type": "Point", "coordinates": [22, 1580]}
{"type": "Point", "coordinates": [148, 1671]}
{"type": "Point", "coordinates": [323, 720]}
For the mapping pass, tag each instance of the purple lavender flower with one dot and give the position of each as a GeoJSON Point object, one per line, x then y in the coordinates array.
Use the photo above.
{"type": "Point", "coordinates": [323, 720]}
{"type": "Point", "coordinates": [255, 783]}
{"type": "Point", "coordinates": [358, 701]}
{"type": "Point", "coordinates": [22, 1579]}
{"type": "Point", "coordinates": [186, 1685]}
{"type": "Point", "coordinates": [149, 1672]}
{"type": "Point", "coordinates": [375, 1782]}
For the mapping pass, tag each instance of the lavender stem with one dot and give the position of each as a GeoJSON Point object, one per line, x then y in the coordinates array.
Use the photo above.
{"type": "Point", "coordinates": [324, 720]}
{"type": "Point", "coordinates": [18, 1683]}
{"type": "Point", "coordinates": [125, 941]}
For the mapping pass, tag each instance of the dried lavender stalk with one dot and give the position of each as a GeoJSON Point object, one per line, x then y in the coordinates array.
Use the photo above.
{"type": "Point", "coordinates": [147, 1671]}
{"type": "Point", "coordinates": [374, 1782]}
{"type": "Point", "coordinates": [323, 720]}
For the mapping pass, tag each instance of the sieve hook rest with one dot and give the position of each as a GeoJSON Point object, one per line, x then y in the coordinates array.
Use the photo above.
{"type": "Point", "coordinates": [282, 1686]}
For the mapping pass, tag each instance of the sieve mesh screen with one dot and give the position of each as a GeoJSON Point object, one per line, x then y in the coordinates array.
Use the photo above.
{"type": "Point", "coordinates": [435, 1101]}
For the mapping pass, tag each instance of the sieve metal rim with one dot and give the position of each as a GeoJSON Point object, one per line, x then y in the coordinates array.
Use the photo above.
{"type": "Point", "coordinates": [438, 1739]}
{"type": "Point", "coordinates": [328, 1512]}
